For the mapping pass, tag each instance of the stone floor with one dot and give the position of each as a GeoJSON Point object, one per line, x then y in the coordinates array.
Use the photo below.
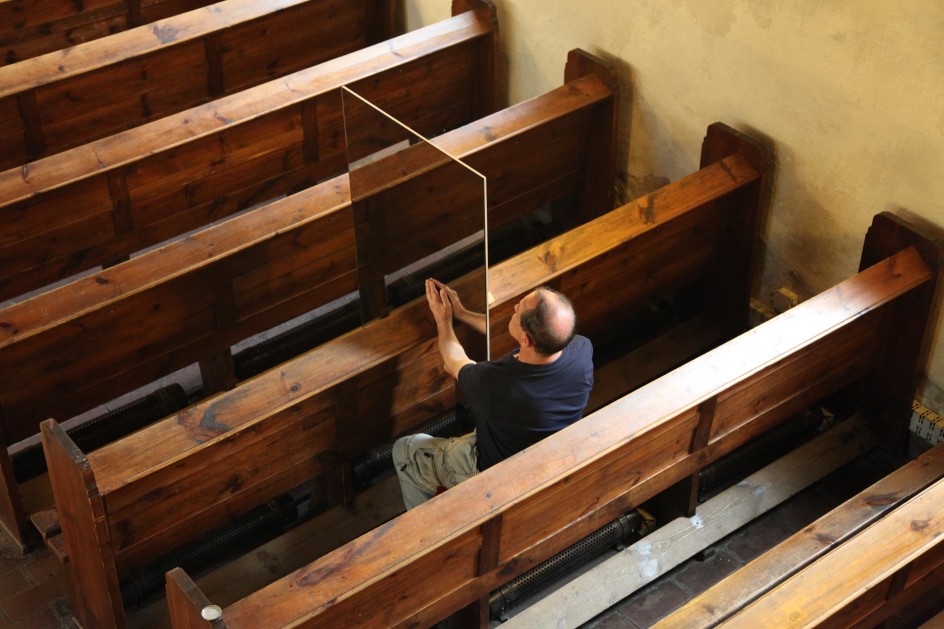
{"type": "Point", "coordinates": [666, 594]}
{"type": "Point", "coordinates": [33, 596]}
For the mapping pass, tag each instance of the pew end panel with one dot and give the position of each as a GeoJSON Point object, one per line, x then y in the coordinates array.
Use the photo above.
{"type": "Point", "coordinates": [188, 603]}
{"type": "Point", "coordinates": [892, 385]}
{"type": "Point", "coordinates": [80, 506]}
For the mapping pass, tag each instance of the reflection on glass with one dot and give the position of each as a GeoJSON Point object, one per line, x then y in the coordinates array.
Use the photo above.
{"type": "Point", "coordinates": [418, 213]}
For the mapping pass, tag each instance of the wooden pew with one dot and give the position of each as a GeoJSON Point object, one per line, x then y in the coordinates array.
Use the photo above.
{"type": "Point", "coordinates": [855, 523]}
{"type": "Point", "coordinates": [378, 381]}
{"type": "Point", "coordinates": [29, 29]}
{"type": "Point", "coordinates": [882, 570]}
{"type": "Point", "coordinates": [99, 202]}
{"type": "Point", "coordinates": [84, 343]}
{"type": "Point", "coordinates": [66, 98]}
{"type": "Point", "coordinates": [860, 340]}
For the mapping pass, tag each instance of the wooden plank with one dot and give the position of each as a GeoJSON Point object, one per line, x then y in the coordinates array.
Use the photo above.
{"type": "Point", "coordinates": [815, 595]}
{"type": "Point", "coordinates": [169, 66]}
{"type": "Point", "coordinates": [255, 569]}
{"type": "Point", "coordinates": [603, 586]}
{"type": "Point", "coordinates": [187, 601]}
{"type": "Point", "coordinates": [792, 555]}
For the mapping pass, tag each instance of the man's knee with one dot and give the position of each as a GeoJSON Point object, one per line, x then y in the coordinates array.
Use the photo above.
{"type": "Point", "coordinates": [401, 452]}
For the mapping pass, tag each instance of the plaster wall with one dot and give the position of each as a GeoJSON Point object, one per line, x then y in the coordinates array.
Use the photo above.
{"type": "Point", "coordinates": [851, 95]}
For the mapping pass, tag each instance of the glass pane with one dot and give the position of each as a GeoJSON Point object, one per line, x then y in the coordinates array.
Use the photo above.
{"type": "Point", "coordinates": [418, 212]}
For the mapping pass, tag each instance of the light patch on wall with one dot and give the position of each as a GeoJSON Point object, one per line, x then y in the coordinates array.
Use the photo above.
{"type": "Point", "coordinates": [713, 17]}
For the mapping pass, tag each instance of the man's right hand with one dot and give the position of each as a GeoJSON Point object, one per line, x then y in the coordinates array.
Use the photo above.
{"type": "Point", "coordinates": [440, 305]}
{"type": "Point", "coordinates": [474, 319]}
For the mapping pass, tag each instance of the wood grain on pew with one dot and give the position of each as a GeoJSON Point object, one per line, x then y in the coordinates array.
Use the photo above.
{"type": "Point", "coordinates": [29, 29]}
{"type": "Point", "coordinates": [83, 343]}
{"type": "Point", "coordinates": [449, 553]}
{"type": "Point", "coordinates": [875, 574]}
{"type": "Point", "coordinates": [98, 203]}
{"type": "Point", "coordinates": [63, 99]}
{"type": "Point", "coordinates": [839, 526]}
{"type": "Point", "coordinates": [232, 451]}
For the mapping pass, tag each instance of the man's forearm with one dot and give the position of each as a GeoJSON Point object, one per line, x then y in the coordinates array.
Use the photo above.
{"type": "Point", "coordinates": [452, 352]}
{"type": "Point", "coordinates": [474, 320]}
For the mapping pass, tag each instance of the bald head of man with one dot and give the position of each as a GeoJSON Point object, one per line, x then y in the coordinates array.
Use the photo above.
{"type": "Point", "coordinates": [548, 318]}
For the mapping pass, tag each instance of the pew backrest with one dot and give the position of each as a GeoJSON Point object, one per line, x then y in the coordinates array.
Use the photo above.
{"type": "Point", "coordinates": [29, 29]}
{"type": "Point", "coordinates": [577, 480]}
{"type": "Point", "coordinates": [99, 202]}
{"type": "Point", "coordinates": [186, 302]}
{"type": "Point", "coordinates": [70, 97]}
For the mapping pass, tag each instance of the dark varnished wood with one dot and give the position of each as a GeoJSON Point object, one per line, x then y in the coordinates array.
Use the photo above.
{"type": "Point", "coordinates": [213, 448]}
{"type": "Point", "coordinates": [29, 29]}
{"type": "Point", "coordinates": [188, 169]}
{"type": "Point", "coordinates": [95, 89]}
{"type": "Point", "coordinates": [884, 569]}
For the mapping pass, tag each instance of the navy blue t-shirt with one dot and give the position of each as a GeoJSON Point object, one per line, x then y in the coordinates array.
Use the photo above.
{"type": "Point", "coordinates": [517, 404]}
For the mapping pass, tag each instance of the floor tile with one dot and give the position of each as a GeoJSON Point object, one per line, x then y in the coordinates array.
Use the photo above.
{"type": "Point", "coordinates": [696, 576]}
{"type": "Point", "coordinates": [653, 602]}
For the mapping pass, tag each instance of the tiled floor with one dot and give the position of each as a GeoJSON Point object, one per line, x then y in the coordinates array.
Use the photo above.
{"type": "Point", "coordinates": [32, 596]}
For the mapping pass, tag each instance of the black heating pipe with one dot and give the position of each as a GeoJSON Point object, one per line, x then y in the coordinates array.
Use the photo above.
{"type": "Point", "coordinates": [267, 520]}
{"type": "Point", "coordinates": [375, 462]}
{"type": "Point", "coordinates": [756, 453]}
{"type": "Point", "coordinates": [291, 343]}
{"type": "Point", "coordinates": [30, 462]}
{"type": "Point", "coordinates": [617, 534]}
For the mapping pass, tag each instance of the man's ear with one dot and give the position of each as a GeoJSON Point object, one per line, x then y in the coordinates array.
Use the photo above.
{"type": "Point", "coordinates": [528, 341]}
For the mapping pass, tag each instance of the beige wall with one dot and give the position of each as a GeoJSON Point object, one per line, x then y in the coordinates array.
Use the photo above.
{"type": "Point", "coordinates": [850, 92]}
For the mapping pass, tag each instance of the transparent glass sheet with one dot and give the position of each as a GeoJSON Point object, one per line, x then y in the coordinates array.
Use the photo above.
{"type": "Point", "coordinates": [418, 212]}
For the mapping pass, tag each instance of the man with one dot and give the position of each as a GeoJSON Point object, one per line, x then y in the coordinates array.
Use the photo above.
{"type": "Point", "coordinates": [532, 392]}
